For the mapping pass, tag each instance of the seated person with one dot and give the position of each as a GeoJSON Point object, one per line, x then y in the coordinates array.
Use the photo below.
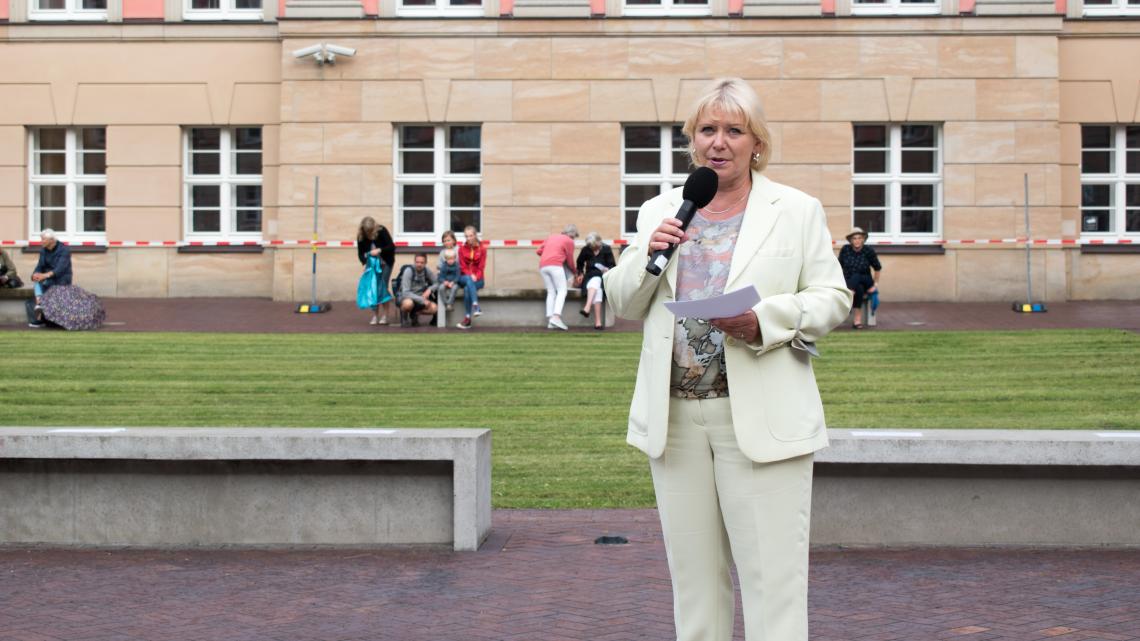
{"type": "Point", "coordinates": [53, 268]}
{"type": "Point", "coordinates": [416, 288]}
{"type": "Point", "coordinates": [448, 281]}
{"type": "Point", "coordinates": [8, 276]}
{"type": "Point", "coordinates": [857, 260]}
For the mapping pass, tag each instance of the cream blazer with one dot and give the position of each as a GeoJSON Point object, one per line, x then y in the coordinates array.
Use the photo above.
{"type": "Point", "coordinates": [784, 250]}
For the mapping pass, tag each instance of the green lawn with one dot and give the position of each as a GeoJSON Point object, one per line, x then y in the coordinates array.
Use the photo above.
{"type": "Point", "coordinates": [556, 402]}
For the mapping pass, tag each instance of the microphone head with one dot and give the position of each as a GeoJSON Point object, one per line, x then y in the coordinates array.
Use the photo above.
{"type": "Point", "coordinates": [700, 187]}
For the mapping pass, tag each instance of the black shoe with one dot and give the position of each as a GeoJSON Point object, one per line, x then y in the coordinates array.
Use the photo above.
{"type": "Point", "coordinates": [584, 313]}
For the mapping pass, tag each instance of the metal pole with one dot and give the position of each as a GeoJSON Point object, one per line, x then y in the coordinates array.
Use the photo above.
{"type": "Point", "coordinates": [316, 198]}
{"type": "Point", "coordinates": [1028, 244]}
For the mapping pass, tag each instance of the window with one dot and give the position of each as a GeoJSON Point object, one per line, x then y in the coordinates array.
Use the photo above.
{"type": "Point", "coordinates": [1112, 7]}
{"type": "Point", "coordinates": [221, 10]}
{"type": "Point", "coordinates": [69, 181]}
{"type": "Point", "coordinates": [1110, 180]}
{"type": "Point", "coordinates": [67, 9]}
{"type": "Point", "coordinates": [438, 179]}
{"type": "Point", "coordinates": [222, 183]}
{"type": "Point", "coordinates": [895, 7]}
{"type": "Point", "coordinates": [654, 159]}
{"type": "Point", "coordinates": [897, 176]}
{"type": "Point", "coordinates": [440, 8]}
{"type": "Point", "coordinates": [666, 8]}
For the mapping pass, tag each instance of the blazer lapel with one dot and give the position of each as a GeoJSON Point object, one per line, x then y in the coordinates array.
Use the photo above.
{"type": "Point", "coordinates": [759, 218]}
{"type": "Point", "coordinates": [671, 269]}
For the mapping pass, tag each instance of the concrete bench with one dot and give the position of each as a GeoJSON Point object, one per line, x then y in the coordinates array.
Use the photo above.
{"type": "Point", "coordinates": [247, 486]}
{"type": "Point", "coordinates": [12, 303]}
{"type": "Point", "coordinates": [978, 487]}
{"type": "Point", "coordinates": [521, 307]}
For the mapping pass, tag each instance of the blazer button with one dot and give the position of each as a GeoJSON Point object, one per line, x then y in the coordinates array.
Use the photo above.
{"type": "Point", "coordinates": [730, 341]}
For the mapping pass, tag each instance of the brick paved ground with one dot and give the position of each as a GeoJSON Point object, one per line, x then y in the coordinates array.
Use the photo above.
{"type": "Point", "coordinates": [540, 577]}
{"type": "Point", "coordinates": [261, 315]}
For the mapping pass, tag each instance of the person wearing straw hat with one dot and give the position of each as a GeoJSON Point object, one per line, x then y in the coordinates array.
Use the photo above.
{"type": "Point", "coordinates": [857, 260]}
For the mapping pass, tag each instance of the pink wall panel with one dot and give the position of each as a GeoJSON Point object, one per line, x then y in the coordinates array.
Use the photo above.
{"type": "Point", "coordinates": [280, 8]}
{"type": "Point", "coordinates": [506, 7]}
{"type": "Point", "coordinates": [3, 9]}
{"type": "Point", "coordinates": [827, 7]}
{"type": "Point", "coordinates": [966, 6]}
{"type": "Point", "coordinates": [142, 9]}
{"type": "Point", "coordinates": [735, 7]}
{"type": "Point", "coordinates": [597, 7]}
{"type": "Point", "coordinates": [371, 7]}
{"type": "Point", "coordinates": [1062, 6]}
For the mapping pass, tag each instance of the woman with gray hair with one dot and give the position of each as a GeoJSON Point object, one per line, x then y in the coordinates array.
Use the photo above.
{"type": "Point", "coordinates": [557, 254]}
{"type": "Point", "coordinates": [727, 409]}
{"type": "Point", "coordinates": [595, 259]}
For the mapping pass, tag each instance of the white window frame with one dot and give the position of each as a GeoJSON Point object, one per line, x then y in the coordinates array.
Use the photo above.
{"type": "Point", "coordinates": [1118, 179]}
{"type": "Point", "coordinates": [1116, 9]}
{"type": "Point", "coordinates": [441, 9]}
{"type": "Point", "coordinates": [894, 179]}
{"type": "Point", "coordinates": [439, 179]}
{"type": "Point", "coordinates": [72, 181]}
{"type": "Point", "coordinates": [72, 12]}
{"type": "Point", "coordinates": [226, 180]}
{"type": "Point", "coordinates": [227, 11]}
{"type": "Point", "coordinates": [665, 180]}
{"type": "Point", "coordinates": [667, 8]}
{"type": "Point", "coordinates": [896, 8]}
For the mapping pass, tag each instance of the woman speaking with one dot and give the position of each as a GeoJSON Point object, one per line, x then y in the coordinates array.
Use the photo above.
{"type": "Point", "coordinates": [728, 409]}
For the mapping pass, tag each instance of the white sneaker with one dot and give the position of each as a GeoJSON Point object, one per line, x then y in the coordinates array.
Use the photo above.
{"type": "Point", "coordinates": [477, 312]}
{"type": "Point", "coordinates": [557, 322]}
{"type": "Point", "coordinates": [373, 321]}
{"type": "Point", "coordinates": [383, 320]}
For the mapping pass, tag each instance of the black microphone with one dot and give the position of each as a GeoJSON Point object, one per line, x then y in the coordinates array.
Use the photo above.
{"type": "Point", "coordinates": [698, 192]}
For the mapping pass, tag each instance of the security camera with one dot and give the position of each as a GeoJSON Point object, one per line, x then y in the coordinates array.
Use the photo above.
{"type": "Point", "coordinates": [338, 50]}
{"type": "Point", "coordinates": [308, 51]}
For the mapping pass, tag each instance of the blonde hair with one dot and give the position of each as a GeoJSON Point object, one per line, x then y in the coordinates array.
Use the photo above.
{"type": "Point", "coordinates": [732, 96]}
{"type": "Point", "coordinates": [448, 253]}
{"type": "Point", "coordinates": [368, 229]}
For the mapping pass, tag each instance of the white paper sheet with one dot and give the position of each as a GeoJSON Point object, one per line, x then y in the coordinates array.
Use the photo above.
{"type": "Point", "coordinates": [724, 306]}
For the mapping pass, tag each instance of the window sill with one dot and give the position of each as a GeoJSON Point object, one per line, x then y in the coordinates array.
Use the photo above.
{"type": "Point", "coordinates": [931, 249]}
{"type": "Point", "coordinates": [221, 249]}
{"type": "Point", "coordinates": [1105, 248]}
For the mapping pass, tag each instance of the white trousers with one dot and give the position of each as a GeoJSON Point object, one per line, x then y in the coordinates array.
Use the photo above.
{"type": "Point", "coordinates": [719, 507]}
{"type": "Point", "coordinates": [554, 277]}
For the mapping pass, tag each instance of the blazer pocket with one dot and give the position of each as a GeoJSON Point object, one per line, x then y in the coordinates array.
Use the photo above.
{"type": "Point", "coordinates": [792, 403]}
{"type": "Point", "coordinates": [775, 252]}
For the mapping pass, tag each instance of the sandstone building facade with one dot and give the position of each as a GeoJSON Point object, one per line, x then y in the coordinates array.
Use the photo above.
{"type": "Point", "coordinates": [175, 142]}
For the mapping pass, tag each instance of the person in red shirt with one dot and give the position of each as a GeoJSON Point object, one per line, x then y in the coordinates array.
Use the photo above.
{"type": "Point", "coordinates": [472, 266]}
{"type": "Point", "coordinates": [557, 254]}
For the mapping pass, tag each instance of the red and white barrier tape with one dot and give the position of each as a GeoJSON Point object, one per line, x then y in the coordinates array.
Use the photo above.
{"type": "Point", "coordinates": [534, 243]}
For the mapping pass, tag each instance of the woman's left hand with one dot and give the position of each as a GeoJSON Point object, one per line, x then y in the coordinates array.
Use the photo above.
{"type": "Point", "coordinates": [743, 327]}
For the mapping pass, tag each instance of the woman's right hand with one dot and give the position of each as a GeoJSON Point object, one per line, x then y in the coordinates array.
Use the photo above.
{"type": "Point", "coordinates": [668, 233]}
{"type": "Point", "coordinates": [374, 252]}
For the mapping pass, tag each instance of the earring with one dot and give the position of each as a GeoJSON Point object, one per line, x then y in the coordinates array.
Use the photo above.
{"type": "Point", "coordinates": [756, 157]}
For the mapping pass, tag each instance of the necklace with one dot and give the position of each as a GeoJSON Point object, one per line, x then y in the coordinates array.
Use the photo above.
{"type": "Point", "coordinates": [726, 209]}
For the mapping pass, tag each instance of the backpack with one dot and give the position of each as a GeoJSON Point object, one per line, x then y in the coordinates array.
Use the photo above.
{"type": "Point", "coordinates": [398, 281]}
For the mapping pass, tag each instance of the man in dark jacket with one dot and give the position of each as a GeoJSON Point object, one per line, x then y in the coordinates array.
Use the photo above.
{"type": "Point", "coordinates": [53, 267]}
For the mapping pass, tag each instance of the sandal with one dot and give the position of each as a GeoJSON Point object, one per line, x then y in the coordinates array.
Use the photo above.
{"type": "Point", "coordinates": [856, 325]}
